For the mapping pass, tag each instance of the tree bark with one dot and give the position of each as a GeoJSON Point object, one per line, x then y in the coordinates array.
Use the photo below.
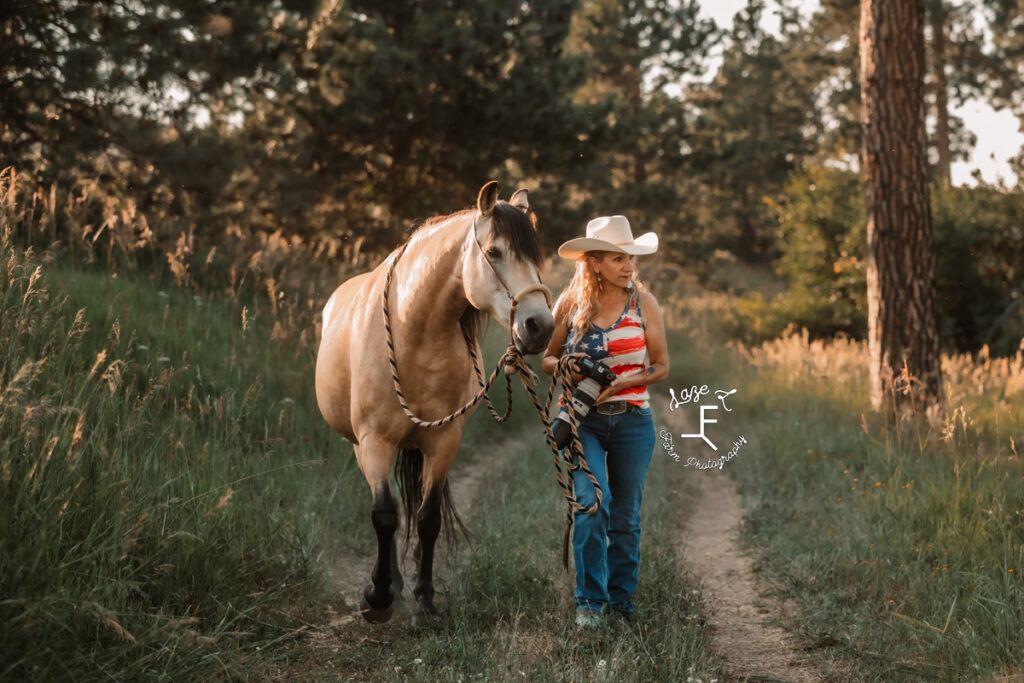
{"type": "Point", "coordinates": [943, 169]}
{"type": "Point", "coordinates": [902, 333]}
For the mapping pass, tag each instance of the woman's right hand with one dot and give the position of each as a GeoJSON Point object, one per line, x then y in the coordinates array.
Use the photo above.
{"type": "Point", "coordinates": [577, 374]}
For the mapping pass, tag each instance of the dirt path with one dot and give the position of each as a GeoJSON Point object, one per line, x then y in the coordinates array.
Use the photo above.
{"type": "Point", "coordinates": [738, 604]}
{"type": "Point", "coordinates": [348, 568]}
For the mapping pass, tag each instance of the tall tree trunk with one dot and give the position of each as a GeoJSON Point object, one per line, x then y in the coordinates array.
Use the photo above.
{"type": "Point", "coordinates": [902, 331]}
{"type": "Point", "coordinates": [943, 171]}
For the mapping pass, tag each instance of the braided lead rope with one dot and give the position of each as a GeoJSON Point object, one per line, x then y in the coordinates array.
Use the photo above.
{"type": "Point", "coordinates": [564, 375]}
{"type": "Point", "coordinates": [394, 364]}
{"type": "Point", "coordinates": [474, 347]}
{"type": "Point", "coordinates": [513, 362]}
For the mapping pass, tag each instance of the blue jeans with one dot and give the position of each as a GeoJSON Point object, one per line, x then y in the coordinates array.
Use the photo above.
{"type": "Point", "coordinates": [606, 544]}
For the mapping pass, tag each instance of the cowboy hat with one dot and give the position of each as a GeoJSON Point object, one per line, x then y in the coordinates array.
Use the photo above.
{"type": "Point", "coordinates": [609, 233]}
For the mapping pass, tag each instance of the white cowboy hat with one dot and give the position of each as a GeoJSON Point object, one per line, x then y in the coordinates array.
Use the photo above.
{"type": "Point", "coordinates": [609, 233]}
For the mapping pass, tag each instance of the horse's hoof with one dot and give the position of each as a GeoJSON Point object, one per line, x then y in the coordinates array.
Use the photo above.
{"type": "Point", "coordinates": [424, 611]}
{"type": "Point", "coordinates": [375, 616]}
{"type": "Point", "coordinates": [422, 617]}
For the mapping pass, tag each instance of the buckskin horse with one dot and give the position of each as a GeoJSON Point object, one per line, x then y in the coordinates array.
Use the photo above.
{"type": "Point", "coordinates": [419, 312]}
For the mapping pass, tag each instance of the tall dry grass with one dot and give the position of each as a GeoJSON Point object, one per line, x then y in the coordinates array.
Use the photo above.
{"type": "Point", "coordinates": [903, 542]}
{"type": "Point", "coordinates": [983, 396]}
{"type": "Point", "coordinates": [94, 228]}
{"type": "Point", "coordinates": [164, 476]}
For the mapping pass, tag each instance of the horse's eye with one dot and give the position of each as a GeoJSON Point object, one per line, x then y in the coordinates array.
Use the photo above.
{"type": "Point", "coordinates": [494, 253]}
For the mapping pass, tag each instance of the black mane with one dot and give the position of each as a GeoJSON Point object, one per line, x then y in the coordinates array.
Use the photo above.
{"type": "Point", "coordinates": [514, 226]}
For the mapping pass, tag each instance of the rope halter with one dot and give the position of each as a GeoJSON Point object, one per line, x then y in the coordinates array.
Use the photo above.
{"type": "Point", "coordinates": [514, 298]}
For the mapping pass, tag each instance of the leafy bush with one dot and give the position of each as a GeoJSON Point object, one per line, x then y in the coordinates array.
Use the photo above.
{"type": "Point", "coordinates": [821, 230]}
{"type": "Point", "coordinates": [979, 234]}
{"type": "Point", "coordinates": [979, 242]}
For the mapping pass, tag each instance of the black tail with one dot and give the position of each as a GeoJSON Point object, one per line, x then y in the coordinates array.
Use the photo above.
{"type": "Point", "coordinates": [409, 475]}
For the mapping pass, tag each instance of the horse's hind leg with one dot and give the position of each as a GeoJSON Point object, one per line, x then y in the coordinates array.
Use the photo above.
{"type": "Point", "coordinates": [379, 595]}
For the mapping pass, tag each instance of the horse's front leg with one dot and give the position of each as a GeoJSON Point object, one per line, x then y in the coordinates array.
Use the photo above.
{"type": "Point", "coordinates": [428, 520]}
{"type": "Point", "coordinates": [438, 458]}
{"type": "Point", "coordinates": [380, 594]}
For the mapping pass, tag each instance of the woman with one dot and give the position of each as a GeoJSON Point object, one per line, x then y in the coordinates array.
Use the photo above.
{"type": "Point", "coordinates": [604, 313]}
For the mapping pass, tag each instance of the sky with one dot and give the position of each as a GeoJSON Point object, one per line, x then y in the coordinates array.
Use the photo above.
{"type": "Point", "coordinates": [998, 133]}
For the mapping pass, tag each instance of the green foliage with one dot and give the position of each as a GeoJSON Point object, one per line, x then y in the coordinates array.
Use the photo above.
{"type": "Point", "coordinates": [822, 232]}
{"type": "Point", "coordinates": [743, 153]}
{"type": "Point", "coordinates": [980, 244]}
{"type": "Point", "coordinates": [346, 123]}
{"type": "Point", "coordinates": [107, 94]}
{"type": "Point", "coordinates": [633, 153]}
{"type": "Point", "coordinates": [396, 110]}
{"type": "Point", "coordinates": [822, 228]}
{"type": "Point", "coordinates": [823, 53]}
{"type": "Point", "coordinates": [1003, 72]}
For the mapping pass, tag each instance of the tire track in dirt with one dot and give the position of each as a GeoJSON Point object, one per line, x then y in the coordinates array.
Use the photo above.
{"type": "Point", "coordinates": [739, 606]}
{"type": "Point", "coordinates": [348, 570]}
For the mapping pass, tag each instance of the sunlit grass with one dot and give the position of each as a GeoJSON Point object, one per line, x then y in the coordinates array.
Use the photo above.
{"type": "Point", "coordinates": [902, 542]}
{"type": "Point", "coordinates": [507, 602]}
{"type": "Point", "coordinates": [165, 477]}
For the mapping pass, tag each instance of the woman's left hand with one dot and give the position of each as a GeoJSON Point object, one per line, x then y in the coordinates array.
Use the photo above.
{"type": "Point", "coordinates": [617, 385]}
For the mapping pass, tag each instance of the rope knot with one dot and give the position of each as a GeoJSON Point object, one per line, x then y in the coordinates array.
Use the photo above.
{"type": "Point", "coordinates": [515, 364]}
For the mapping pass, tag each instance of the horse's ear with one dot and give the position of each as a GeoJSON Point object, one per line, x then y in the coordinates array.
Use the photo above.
{"type": "Point", "coordinates": [519, 200]}
{"type": "Point", "coordinates": [487, 198]}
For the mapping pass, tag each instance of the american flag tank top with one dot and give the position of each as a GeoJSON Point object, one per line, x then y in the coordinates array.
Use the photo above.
{"type": "Point", "coordinates": [622, 347]}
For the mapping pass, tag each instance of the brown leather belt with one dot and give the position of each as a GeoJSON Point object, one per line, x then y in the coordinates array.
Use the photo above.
{"type": "Point", "coordinates": [613, 407]}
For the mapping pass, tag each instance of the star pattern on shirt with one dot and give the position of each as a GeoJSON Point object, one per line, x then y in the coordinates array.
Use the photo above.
{"type": "Point", "coordinates": [594, 342]}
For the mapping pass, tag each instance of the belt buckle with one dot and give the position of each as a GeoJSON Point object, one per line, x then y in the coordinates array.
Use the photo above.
{"type": "Point", "coordinates": [612, 408]}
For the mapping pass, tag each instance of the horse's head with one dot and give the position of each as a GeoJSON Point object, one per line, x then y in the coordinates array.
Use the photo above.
{"type": "Point", "coordinates": [502, 263]}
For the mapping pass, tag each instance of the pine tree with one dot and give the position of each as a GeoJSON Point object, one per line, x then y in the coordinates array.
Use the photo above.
{"type": "Point", "coordinates": [637, 55]}
{"type": "Point", "coordinates": [902, 333]}
{"type": "Point", "coordinates": [397, 111]}
{"type": "Point", "coordinates": [751, 131]}
{"type": "Point", "coordinates": [957, 65]}
{"type": "Point", "coordinates": [828, 49]}
{"type": "Point", "coordinates": [85, 79]}
{"type": "Point", "coordinates": [1005, 68]}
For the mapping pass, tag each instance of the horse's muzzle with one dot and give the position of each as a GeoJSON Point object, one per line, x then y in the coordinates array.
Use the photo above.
{"type": "Point", "coordinates": [533, 333]}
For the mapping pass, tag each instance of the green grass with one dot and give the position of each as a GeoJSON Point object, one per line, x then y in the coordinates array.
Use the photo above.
{"type": "Point", "coordinates": [169, 487]}
{"type": "Point", "coordinates": [507, 602]}
{"type": "Point", "coordinates": [903, 549]}
{"type": "Point", "coordinates": [165, 476]}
